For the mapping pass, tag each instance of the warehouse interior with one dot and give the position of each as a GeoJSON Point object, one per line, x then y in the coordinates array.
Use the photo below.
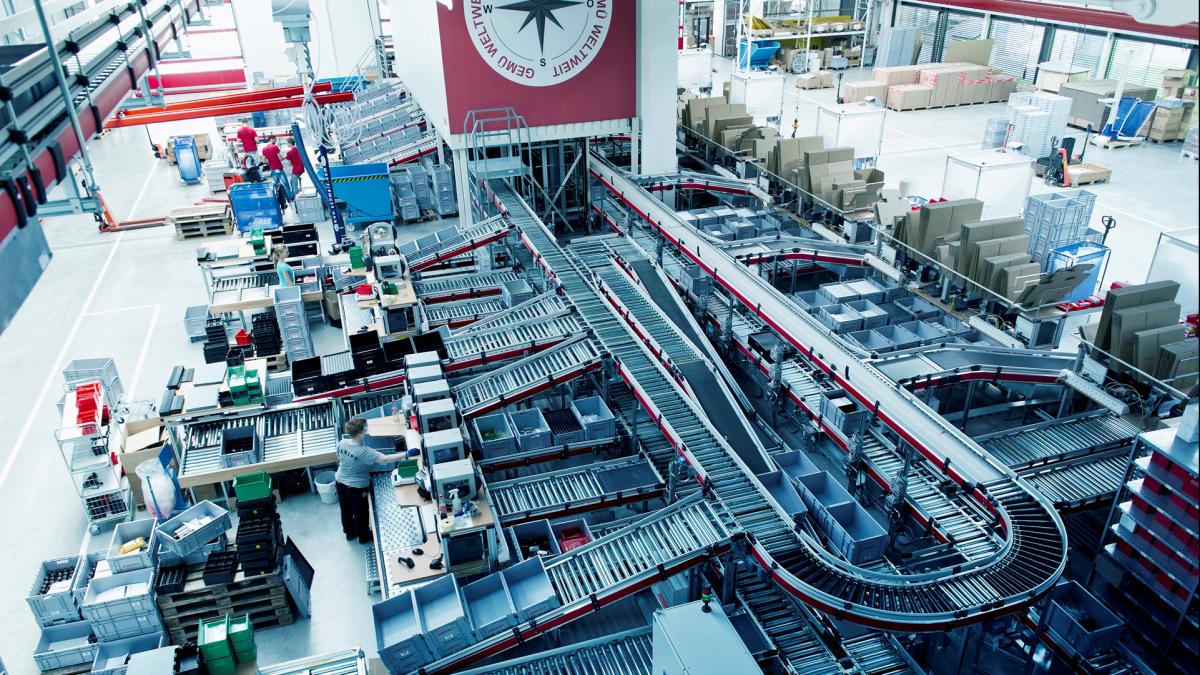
{"type": "Point", "coordinates": [851, 337]}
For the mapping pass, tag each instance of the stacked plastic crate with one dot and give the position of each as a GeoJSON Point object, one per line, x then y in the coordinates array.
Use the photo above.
{"type": "Point", "coordinates": [293, 323]}
{"type": "Point", "coordinates": [83, 442]}
{"type": "Point", "coordinates": [66, 638]}
{"type": "Point", "coordinates": [420, 186]}
{"type": "Point", "coordinates": [443, 190]}
{"type": "Point", "coordinates": [1036, 118]}
{"type": "Point", "coordinates": [1058, 220]}
{"type": "Point", "coordinates": [406, 201]}
{"type": "Point", "coordinates": [995, 132]}
{"type": "Point", "coordinates": [123, 615]}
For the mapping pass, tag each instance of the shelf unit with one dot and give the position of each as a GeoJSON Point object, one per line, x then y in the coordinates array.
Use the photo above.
{"type": "Point", "coordinates": [85, 448]}
{"type": "Point", "coordinates": [1147, 568]}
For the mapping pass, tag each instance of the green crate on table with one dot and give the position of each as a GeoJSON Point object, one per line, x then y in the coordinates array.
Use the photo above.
{"type": "Point", "coordinates": [213, 639]}
{"type": "Point", "coordinates": [226, 666]}
{"type": "Point", "coordinates": [252, 486]}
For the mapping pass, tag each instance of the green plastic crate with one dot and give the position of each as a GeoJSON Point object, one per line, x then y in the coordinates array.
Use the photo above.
{"type": "Point", "coordinates": [225, 666]}
{"type": "Point", "coordinates": [407, 468]}
{"type": "Point", "coordinates": [245, 655]}
{"type": "Point", "coordinates": [241, 631]}
{"type": "Point", "coordinates": [251, 487]}
{"type": "Point", "coordinates": [213, 639]}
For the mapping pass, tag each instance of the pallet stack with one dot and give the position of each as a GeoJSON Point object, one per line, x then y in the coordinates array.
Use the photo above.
{"type": "Point", "coordinates": [262, 597]}
{"type": "Point", "coordinates": [202, 220]}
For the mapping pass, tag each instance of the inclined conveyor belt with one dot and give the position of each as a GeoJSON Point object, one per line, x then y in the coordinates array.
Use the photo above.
{"type": "Point", "coordinates": [579, 489]}
{"type": "Point", "coordinates": [1034, 552]}
{"type": "Point", "coordinates": [501, 343]}
{"type": "Point", "coordinates": [520, 380]}
{"type": "Point", "coordinates": [538, 308]}
{"type": "Point", "coordinates": [458, 287]}
{"type": "Point", "coordinates": [462, 313]}
{"type": "Point", "coordinates": [628, 653]}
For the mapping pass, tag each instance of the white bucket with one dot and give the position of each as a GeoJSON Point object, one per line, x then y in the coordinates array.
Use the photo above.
{"type": "Point", "coordinates": [327, 487]}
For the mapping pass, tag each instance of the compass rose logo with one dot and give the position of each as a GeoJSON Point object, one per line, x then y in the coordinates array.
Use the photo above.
{"type": "Point", "coordinates": [538, 43]}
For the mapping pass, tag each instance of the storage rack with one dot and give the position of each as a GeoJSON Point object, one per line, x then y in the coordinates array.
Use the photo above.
{"type": "Point", "coordinates": [85, 449]}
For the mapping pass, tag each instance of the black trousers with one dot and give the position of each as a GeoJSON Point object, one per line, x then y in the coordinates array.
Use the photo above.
{"type": "Point", "coordinates": [356, 517]}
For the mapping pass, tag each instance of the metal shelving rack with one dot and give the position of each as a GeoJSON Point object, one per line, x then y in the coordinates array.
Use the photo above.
{"type": "Point", "coordinates": [104, 494]}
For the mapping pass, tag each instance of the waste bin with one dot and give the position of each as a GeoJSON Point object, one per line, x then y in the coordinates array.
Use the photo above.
{"type": "Point", "coordinates": [327, 487]}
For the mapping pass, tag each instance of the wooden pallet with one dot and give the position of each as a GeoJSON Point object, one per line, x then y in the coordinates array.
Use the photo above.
{"type": "Point", "coordinates": [246, 598]}
{"type": "Point", "coordinates": [261, 620]}
{"type": "Point", "coordinates": [426, 216]}
{"type": "Point", "coordinates": [203, 231]}
{"type": "Point", "coordinates": [1087, 174]}
{"type": "Point", "coordinates": [195, 590]}
{"type": "Point", "coordinates": [1163, 140]}
{"type": "Point", "coordinates": [1189, 154]}
{"type": "Point", "coordinates": [1113, 144]}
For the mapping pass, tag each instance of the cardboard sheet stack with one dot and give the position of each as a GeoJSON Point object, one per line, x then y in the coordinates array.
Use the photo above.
{"type": "Point", "coordinates": [1140, 325]}
{"type": "Point", "coordinates": [935, 224]}
{"type": "Point", "coordinates": [994, 254]}
{"type": "Point", "coordinates": [897, 46]}
{"type": "Point", "coordinates": [832, 178]}
{"type": "Point", "coordinates": [1086, 106]}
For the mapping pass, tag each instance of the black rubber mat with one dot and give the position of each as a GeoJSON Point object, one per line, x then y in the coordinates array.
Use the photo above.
{"type": "Point", "coordinates": [721, 414]}
{"type": "Point", "coordinates": [661, 295]}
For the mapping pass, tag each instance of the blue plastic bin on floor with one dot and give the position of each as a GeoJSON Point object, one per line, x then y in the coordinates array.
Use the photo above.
{"type": "Point", "coordinates": [254, 206]}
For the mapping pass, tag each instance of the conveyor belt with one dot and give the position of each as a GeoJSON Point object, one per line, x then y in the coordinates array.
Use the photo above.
{"type": "Point", "coordinates": [586, 579]}
{"type": "Point", "coordinates": [575, 490]}
{"type": "Point", "coordinates": [961, 363]}
{"type": "Point", "coordinates": [461, 242]}
{"type": "Point", "coordinates": [463, 313]}
{"type": "Point", "coordinates": [508, 342]}
{"type": "Point", "coordinates": [293, 432]}
{"type": "Point", "coordinates": [879, 654]}
{"type": "Point", "coordinates": [538, 308]}
{"type": "Point", "coordinates": [520, 380]}
{"type": "Point", "coordinates": [446, 289]}
{"type": "Point", "coordinates": [1086, 482]}
{"type": "Point", "coordinates": [1057, 440]}
{"type": "Point", "coordinates": [628, 653]}
{"type": "Point", "coordinates": [1035, 550]}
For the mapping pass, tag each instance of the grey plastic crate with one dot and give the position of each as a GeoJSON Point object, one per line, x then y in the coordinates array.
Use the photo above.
{"type": "Point", "coordinates": [126, 626]}
{"type": "Point", "coordinates": [238, 437]}
{"type": "Point", "coordinates": [925, 331]}
{"type": "Point", "coordinates": [167, 558]}
{"type": "Point", "coordinates": [1084, 623]}
{"type": "Point", "coordinates": [794, 464]}
{"type": "Point", "coordinates": [57, 606]}
{"type": "Point", "coordinates": [489, 606]}
{"type": "Point", "coordinates": [595, 418]}
{"type": "Point", "coordinates": [842, 412]}
{"type": "Point", "coordinates": [866, 289]}
{"type": "Point", "coordinates": [112, 658]}
{"type": "Point", "coordinates": [66, 645]}
{"type": "Point", "coordinates": [530, 587]}
{"type": "Point", "coordinates": [120, 595]}
{"type": "Point", "coordinates": [516, 291]}
{"type": "Point", "coordinates": [810, 299]}
{"type": "Point", "coordinates": [821, 491]}
{"type": "Point", "coordinates": [524, 534]}
{"type": "Point", "coordinates": [839, 318]}
{"type": "Point", "coordinates": [899, 337]}
{"type": "Point", "coordinates": [89, 565]}
{"type": "Point", "coordinates": [871, 341]}
{"type": "Point", "coordinates": [309, 207]}
{"type": "Point", "coordinates": [917, 308]}
{"type": "Point", "coordinates": [136, 560]}
{"type": "Point", "coordinates": [194, 318]}
{"type": "Point", "coordinates": [872, 315]}
{"type": "Point", "coordinates": [495, 437]}
{"type": "Point", "coordinates": [441, 610]}
{"type": "Point", "coordinates": [182, 543]}
{"type": "Point", "coordinates": [854, 532]}
{"type": "Point", "coordinates": [778, 484]}
{"type": "Point", "coordinates": [399, 638]}
{"type": "Point", "coordinates": [530, 429]}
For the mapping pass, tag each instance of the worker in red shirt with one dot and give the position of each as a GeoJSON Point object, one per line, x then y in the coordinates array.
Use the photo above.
{"type": "Point", "coordinates": [270, 153]}
{"type": "Point", "coordinates": [248, 137]}
{"type": "Point", "coordinates": [293, 156]}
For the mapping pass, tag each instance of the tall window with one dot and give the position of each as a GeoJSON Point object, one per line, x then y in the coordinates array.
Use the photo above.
{"type": "Point", "coordinates": [1080, 49]}
{"type": "Point", "coordinates": [1144, 62]}
{"type": "Point", "coordinates": [1017, 48]}
{"type": "Point", "coordinates": [923, 19]}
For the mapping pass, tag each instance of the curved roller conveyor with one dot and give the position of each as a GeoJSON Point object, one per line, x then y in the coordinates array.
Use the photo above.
{"type": "Point", "coordinates": [1025, 567]}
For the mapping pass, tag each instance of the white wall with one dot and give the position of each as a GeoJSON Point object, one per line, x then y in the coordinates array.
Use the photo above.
{"type": "Point", "coordinates": [262, 40]}
{"type": "Point", "coordinates": [657, 66]}
{"type": "Point", "coordinates": [342, 31]}
{"type": "Point", "coordinates": [418, 49]}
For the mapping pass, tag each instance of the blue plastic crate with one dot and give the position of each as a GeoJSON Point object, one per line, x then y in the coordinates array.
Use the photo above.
{"type": "Point", "coordinates": [181, 544]}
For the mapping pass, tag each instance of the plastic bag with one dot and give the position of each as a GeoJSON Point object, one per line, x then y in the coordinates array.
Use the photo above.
{"type": "Point", "coordinates": [158, 489]}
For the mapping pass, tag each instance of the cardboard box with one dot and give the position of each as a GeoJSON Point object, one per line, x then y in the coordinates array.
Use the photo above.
{"type": "Point", "coordinates": [808, 81]}
{"type": "Point", "coordinates": [1178, 78]}
{"type": "Point", "coordinates": [853, 92]}
{"type": "Point", "coordinates": [896, 75]}
{"type": "Point", "coordinates": [140, 441]}
{"type": "Point", "coordinates": [909, 97]}
{"type": "Point", "coordinates": [826, 77]}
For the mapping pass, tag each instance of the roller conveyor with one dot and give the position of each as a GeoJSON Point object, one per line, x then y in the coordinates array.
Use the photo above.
{"type": "Point", "coordinates": [288, 433]}
{"type": "Point", "coordinates": [1091, 481]}
{"type": "Point", "coordinates": [1026, 567]}
{"type": "Point", "coordinates": [880, 654]}
{"type": "Point", "coordinates": [463, 313]}
{"type": "Point", "coordinates": [539, 308]}
{"type": "Point", "coordinates": [446, 289]}
{"type": "Point", "coordinates": [353, 406]}
{"type": "Point", "coordinates": [575, 490]}
{"type": "Point", "coordinates": [628, 653]}
{"type": "Point", "coordinates": [520, 380]}
{"type": "Point", "coordinates": [1057, 440]}
{"type": "Point", "coordinates": [508, 342]}
{"type": "Point", "coordinates": [586, 579]}
{"type": "Point", "coordinates": [462, 241]}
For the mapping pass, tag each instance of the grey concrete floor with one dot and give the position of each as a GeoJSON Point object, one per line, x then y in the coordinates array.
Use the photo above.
{"type": "Point", "coordinates": [123, 296]}
{"type": "Point", "coordinates": [1153, 188]}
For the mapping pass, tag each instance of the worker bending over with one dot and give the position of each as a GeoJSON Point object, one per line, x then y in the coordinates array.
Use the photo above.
{"type": "Point", "coordinates": [293, 157]}
{"type": "Point", "coordinates": [355, 463]}
{"type": "Point", "coordinates": [270, 153]}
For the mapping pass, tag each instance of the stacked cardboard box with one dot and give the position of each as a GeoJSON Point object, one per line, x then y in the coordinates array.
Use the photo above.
{"type": "Point", "coordinates": [786, 159]}
{"type": "Point", "coordinates": [1085, 95]}
{"type": "Point", "coordinates": [1175, 82]}
{"type": "Point", "coordinates": [895, 75]}
{"type": "Point", "coordinates": [821, 79]}
{"type": "Point", "coordinates": [1131, 325]}
{"type": "Point", "coordinates": [1167, 124]}
{"type": "Point", "coordinates": [827, 170]}
{"type": "Point", "coordinates": [853, 92]}
{"type": "Point", "coordinates": [909, 96]}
